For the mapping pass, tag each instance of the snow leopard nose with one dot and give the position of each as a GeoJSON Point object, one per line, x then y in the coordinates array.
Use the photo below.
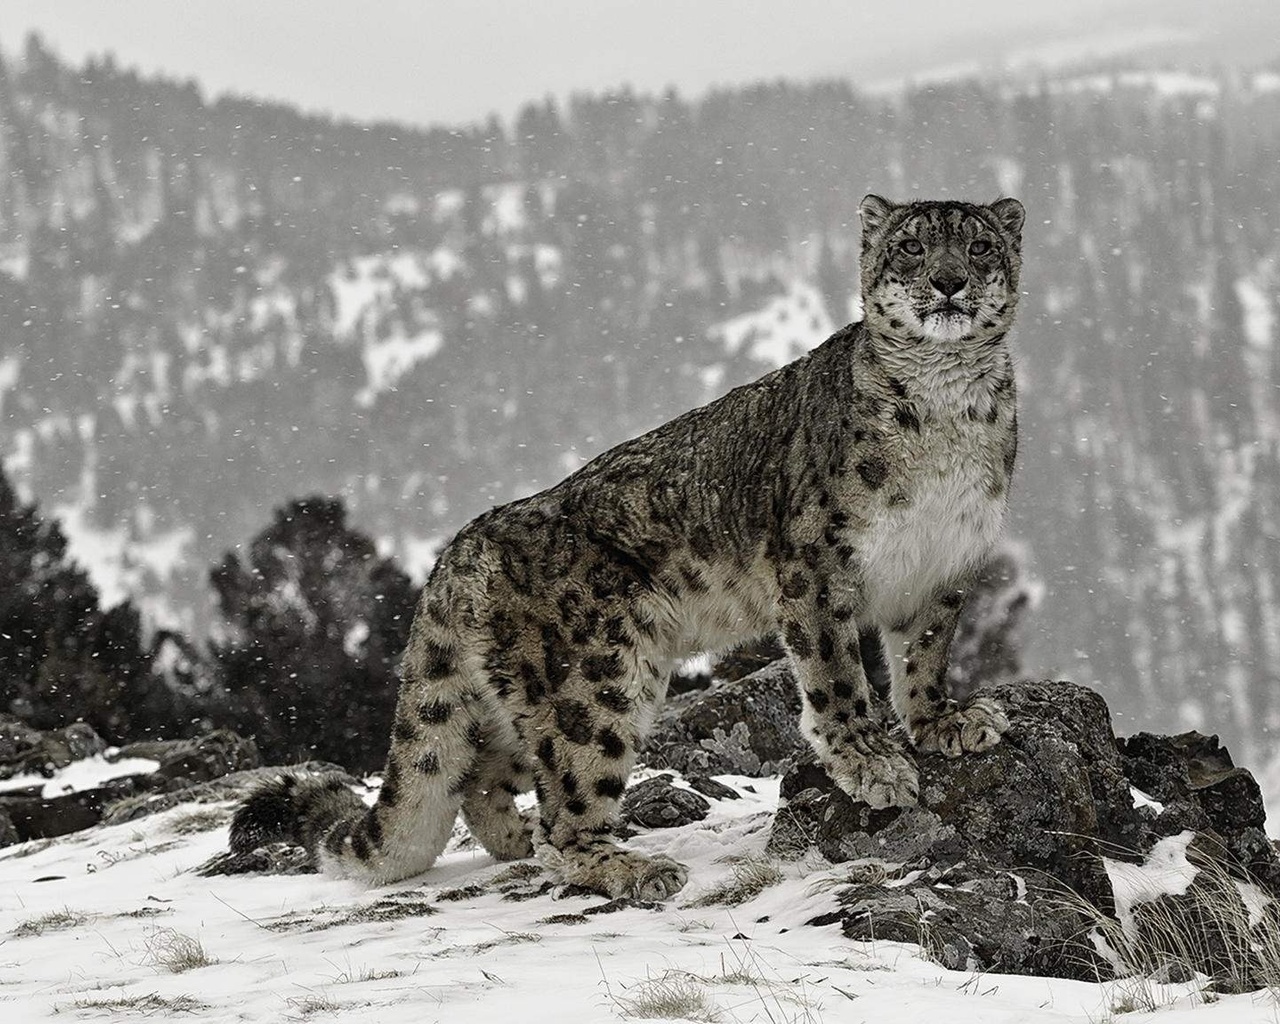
{"type": "Point", "coordinates": [947, 284]}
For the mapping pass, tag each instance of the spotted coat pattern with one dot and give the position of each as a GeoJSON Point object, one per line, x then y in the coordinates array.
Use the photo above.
{"type": "Point", "coordinates": [862, 484]}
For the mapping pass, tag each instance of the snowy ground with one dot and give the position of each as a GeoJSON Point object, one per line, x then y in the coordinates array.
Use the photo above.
{"type": "Point", "coordinates": [96, 926]}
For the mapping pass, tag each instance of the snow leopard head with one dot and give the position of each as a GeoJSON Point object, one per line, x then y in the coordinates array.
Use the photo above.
{"type": "Point", "coordinates": [944, 271]}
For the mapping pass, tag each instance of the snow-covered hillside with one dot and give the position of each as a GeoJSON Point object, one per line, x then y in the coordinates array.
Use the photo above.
{"type": "Point", "coordinates": [111, 924]}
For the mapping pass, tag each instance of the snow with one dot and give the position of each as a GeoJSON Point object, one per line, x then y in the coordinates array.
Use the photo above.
{"type": "Point", "coordinates": [78, 776]}
{"type": "Point", "coordinates": [1140, 799]}
{"type": "Point", "coordinates": [357, 288]}
{"type": "Point", "coordinates": [385, 362]}
{"type": "Point", "coordinates": [15, 261]}
{"type": "Point", "coordinates": [269, 307]}
{"type": "Point", "coordinates": [117, 563]}
{"type": "Point", "coordinates": [354, 640]}
{"type": "Point", "coordinates": [10, 370]}
{"type": "Point", "coordinates": [1165, 871]}
{"type": "Point", "coordinates": [86, 920]}
{"type": "Point", "coordinates": [1259, 318]}
{"type": "Point", "coordinates": [366, 294]}
{"type": "Point", "coordinates": [506, 214]}
{"type": "Point", "coordinates": [786, 328]}
{"type": "Point", "coordinates": [418, 555]}
{"type": "Point", "coordinates": [448, 204]}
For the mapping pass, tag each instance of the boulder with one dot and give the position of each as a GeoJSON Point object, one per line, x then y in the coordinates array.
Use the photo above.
{"type": "Point", "coordinates": [1201, 788]}
{"type": "Point", "coordinates": [656, 803]}
{"type": "Point", "coordinates": [233, 786]}
{"type": "Point", "coordinates": [988, 924]}
{"type": "Point", "coordinates": [749, 726]}
{"type": "Point", "coordinates": [38, 817]}
{"type": "Point", "coordinates": [183, 764]}
{"type": "Point", "coordinates": [1052, 791]}
{"type": "Point", "coordinates": [1001, 865]}
{"type": "Point", "coordinates": [24, 750]}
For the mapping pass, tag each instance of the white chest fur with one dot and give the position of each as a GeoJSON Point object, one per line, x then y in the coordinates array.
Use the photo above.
{"type": "Point", "coordinates": [935, 519]}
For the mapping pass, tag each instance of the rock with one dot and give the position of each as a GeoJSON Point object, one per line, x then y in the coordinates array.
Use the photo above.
{"type": "Point", "coordinates": [656, 803]}
{"type": "Point", "coordinates": [746, 658]}
{"type": "Point", "coordinates": [17, 740]}
{"type": "Point", "coordinates": [746, 727]}
{"type": "Point", "coordinates": [710, 787]}
{"type": "Point", "coordinates": [1202, 789]}
{"type": "Point", "coordinates": [973, 930]}
{"type": "Point", "coordinates": [229, 787]}
{"type": "Point", "coordinates": [8, 831]}
{"type": "Point", "coordinates": [37, 817]}
{"type": "Point", "coordinates": [1051, 792]}
{"type": "Point", "coordinates": [24, 750]}
{"type": "Point", "coordinates": [273, 859]}
{"type": "Point", "coordinates": [185, 762]}
{"type": "Point", "coordinates": [1041, 810]}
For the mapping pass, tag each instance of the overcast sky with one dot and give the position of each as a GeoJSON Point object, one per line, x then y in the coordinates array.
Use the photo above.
{"type": "Point", "coordinates": [456, 60]}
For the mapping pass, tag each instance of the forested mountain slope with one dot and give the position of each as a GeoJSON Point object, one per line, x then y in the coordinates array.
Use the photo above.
{"type": "Point", "coordinates": [209, 308]}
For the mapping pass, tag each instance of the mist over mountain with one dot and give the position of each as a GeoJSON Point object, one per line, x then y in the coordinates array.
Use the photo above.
{"type": "Point", "coordinates": [207, 309]}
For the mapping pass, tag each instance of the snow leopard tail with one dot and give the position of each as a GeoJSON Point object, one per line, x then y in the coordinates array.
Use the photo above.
{"type": "Point", "coordinates": [429, 773]}
{"type": "Point", "coordinates": [293, 809]}
{"type": "Point", "coordinates": [444, 746]}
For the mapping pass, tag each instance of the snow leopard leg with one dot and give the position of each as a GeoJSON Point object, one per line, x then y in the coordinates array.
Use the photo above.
{"type": "Point", "coordinates": [583, 758]}
{"type": "Point", "coordinates": [488, 806]}
{"type": "Point", "coordinates": [917, 652]}
{"type": "Point", "coordinates": [821, 635]}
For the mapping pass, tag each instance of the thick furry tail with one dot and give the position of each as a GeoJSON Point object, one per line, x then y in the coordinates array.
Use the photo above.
{"type": "Point", "coordinates": [293, 809]}
{"type": "Point", "coordinates": [447, 730]}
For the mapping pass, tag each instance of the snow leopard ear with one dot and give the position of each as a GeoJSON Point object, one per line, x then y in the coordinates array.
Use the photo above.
{"type": "Point", "coordinates": [1010, 215]}
{"type": "Point", "coordinates": [874, 211]}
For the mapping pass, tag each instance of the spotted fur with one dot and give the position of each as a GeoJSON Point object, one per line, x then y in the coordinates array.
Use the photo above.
{"type": "Point", "coordinates": [861, 484]}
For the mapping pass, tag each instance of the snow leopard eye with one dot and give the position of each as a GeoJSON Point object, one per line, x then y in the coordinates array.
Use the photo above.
{"type": "Point", "coordinates": [979, 247]}
{"type": "Point", "coordinates": [912, 247]}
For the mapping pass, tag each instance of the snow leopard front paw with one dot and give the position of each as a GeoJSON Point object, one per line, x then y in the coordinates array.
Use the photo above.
{"type": "Point", "coordinates": [885, 777]}
{"type": "Point", "coordinates": [959, 730]}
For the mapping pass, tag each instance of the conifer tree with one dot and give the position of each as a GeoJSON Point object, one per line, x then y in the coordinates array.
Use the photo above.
{"type": "Point", "coordinates": [318, 620]}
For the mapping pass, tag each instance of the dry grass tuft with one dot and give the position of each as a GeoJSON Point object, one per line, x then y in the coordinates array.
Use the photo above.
{"type": "Point", "coordinates": [1221, 936]}
{"type": "Point", "coordinates": [748, 878]}
{"type": "Point", "coordinates": [54, 921]}
{"type": "Point", "coordinates": [682, 995]}
{"type": "Point", "coordinates": [201, 819]}
{"type": "Point", "coordinates": [355, 976]}
{"type": "Point", "coordinates": [175, 952]}
{"type": "Point", "coordinates": [150, 1004]}
{"type": "Point", "coordinates": [309, 1006]}
{"type": "Point", "coordinates": [506, 939]}
{"type": "Point", "coordinates": [522, 871]}
{"type": "Point", "coordinates": [674, 995]}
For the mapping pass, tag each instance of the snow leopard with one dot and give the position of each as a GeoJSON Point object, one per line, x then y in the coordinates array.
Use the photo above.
{"type": "Point", "coordinates": [861, 485]}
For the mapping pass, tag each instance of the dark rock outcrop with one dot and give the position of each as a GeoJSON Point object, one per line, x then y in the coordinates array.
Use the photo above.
{"type": "Point", "coordinates": [981, 924]}
{"type": "Point", "coordinates": [749, 726]}
{"type": "Point", "coordinates": [29, 814]}
{"type": "Point", "coordinates": [1051, 792]}
{"type": "Point", "coordinates": [186, 762]}
{"type": "Point", "coordinates": [228, 787]}
{"type": "Point", "coordinates": [656, 803]}
{"type": "Point", "coordinates": [1037, 813]}
{"type": "Point", "coordinates": [1193, 776]}
{"type": "Point", "coordinates": [24, 750]}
